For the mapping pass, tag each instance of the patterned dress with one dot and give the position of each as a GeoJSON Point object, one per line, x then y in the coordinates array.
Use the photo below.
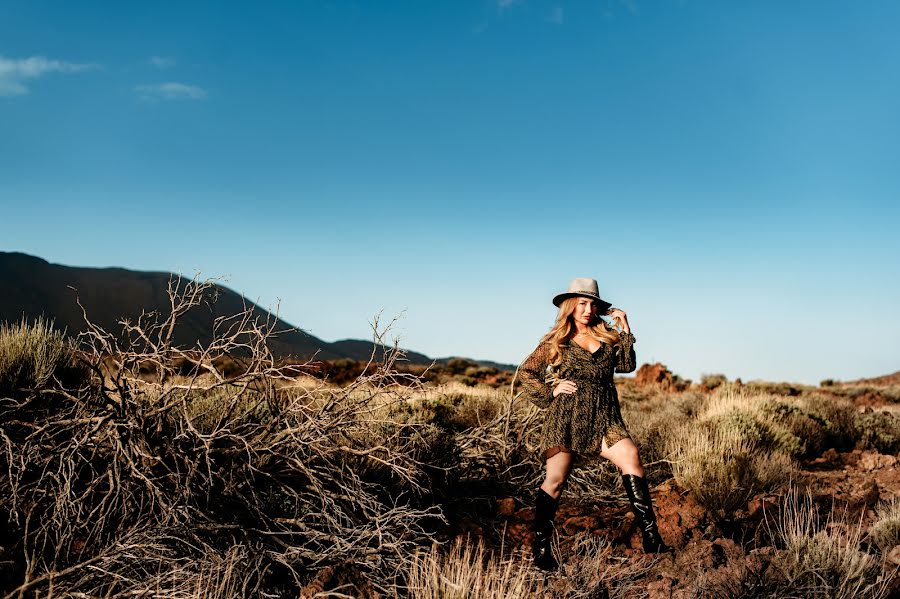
{"type": "Point", "coordinates": [578, 422]}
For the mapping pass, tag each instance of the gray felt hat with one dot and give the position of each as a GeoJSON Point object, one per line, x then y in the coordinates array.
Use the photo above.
{"type": "Point", "coordinates": [583, 287]}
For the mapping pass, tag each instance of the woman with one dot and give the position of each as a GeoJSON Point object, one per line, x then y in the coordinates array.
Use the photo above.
{"type": "Point", "coordinates": [570, 375]}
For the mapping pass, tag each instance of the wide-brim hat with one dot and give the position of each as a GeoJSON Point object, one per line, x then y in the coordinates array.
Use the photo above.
{"type": "Point", "coordinates": [584, 287]}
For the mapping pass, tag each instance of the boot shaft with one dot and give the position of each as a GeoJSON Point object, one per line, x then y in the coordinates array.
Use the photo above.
{"type": "Point", "coordinates": [639, 495]}
{"type": "Point", "coordinates": [638, 491]}
{"type": "Point", "coordinates": [544, 511]}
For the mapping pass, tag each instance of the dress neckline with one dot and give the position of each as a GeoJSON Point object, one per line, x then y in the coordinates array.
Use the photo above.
{"type": "Point", "coordinates": [593, 353]}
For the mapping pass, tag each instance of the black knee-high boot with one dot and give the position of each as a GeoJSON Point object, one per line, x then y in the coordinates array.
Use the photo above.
{"type": "Point", "coordinates": [639, 496]}
{"type": "Point", "coordinates": [545, 510]}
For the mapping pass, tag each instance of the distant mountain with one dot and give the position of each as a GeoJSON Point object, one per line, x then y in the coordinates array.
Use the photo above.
{"type": "Point", "coordinates": [33, 287]}
{"type": "Point", "coordinates": [497, 365]}
{"type": "Point", "coordinates": [359, 349]}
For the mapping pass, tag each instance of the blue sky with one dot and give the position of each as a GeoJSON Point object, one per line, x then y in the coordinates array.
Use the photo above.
{"type": "Point", "coordinates": [726, 170]}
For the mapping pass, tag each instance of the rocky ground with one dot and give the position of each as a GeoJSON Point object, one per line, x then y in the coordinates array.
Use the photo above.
{"type": "Point", "coordinates": [712, 559]}
{"type": "Point", "coordinates": [709, 553]}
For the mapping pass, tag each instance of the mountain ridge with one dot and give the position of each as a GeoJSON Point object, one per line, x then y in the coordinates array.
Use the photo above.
{"type": "Point", "coordinates": [34, 287]}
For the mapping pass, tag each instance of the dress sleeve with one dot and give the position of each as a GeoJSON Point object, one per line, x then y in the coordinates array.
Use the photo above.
{"type": "Point", "coordinates": [534, 378]}
{"type": "Point", "coordinates": [626, 361]}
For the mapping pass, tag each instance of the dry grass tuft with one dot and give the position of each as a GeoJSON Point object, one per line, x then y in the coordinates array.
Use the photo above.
{"type": "Point", "coordinates": [592, 571]}
{"type": "Point", "coordinates": [469, 570]}
{"type": "Point", "coordinates": [885, 531]}
{"type": "Point", "coordinates": [822, 557]}
{"type": "Point", "coordinates": [32, 355]}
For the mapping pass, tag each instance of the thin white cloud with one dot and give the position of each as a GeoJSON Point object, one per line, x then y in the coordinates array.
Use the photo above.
{"type": "Point", "coordinates": [15, 72]}
{"type": "Point", "coordinates": [162, 62]}
{"type": "Point", "coordinates": [170, 91]}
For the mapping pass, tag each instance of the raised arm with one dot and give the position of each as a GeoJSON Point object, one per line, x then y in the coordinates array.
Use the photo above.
{"type": "Point", "coordinates": [626, 361]}
{"type": "Point", "coordinates": [532, 375]}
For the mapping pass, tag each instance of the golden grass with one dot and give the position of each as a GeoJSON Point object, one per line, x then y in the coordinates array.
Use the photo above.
{"type": "Point", "coordinates": [467, 570]}
{"type": "Point", "coordinates": [723, 469]}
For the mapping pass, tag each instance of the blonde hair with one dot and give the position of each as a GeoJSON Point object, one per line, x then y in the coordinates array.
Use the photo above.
{"type": "Point", "coordinates": [564, 329]}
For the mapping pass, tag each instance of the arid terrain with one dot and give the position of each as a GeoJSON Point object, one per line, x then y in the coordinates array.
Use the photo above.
{"type": "Point", "coordinates": [134, 467]}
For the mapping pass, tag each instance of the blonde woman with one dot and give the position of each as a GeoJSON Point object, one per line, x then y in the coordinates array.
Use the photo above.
{"type": "Point", "coordinates": [570, 376]}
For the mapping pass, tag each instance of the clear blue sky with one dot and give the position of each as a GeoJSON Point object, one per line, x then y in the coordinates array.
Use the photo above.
{"type": "Point", "coordinates": [728, 171]}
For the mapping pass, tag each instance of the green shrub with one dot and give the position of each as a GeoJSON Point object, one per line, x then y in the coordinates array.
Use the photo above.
{"type": "Point", "coordinates": [879, 431]}
{"type": "Point", "coordinates": [796, 432]}
{"type": "Point", "coordinates": [838, 418]}
{"type": "Point", "coordinates": [744, 425]}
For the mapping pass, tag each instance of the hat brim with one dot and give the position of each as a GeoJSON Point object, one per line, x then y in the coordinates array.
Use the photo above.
{"type": "Point", "coordinates": [603, 305]}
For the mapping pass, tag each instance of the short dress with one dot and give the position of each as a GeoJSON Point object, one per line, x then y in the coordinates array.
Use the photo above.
{"type": "Point", "coordinates": [578, 422]}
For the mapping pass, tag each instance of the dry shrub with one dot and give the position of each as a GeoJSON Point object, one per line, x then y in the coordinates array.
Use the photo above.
{"type": "Point", "coordinates": [838, 417]}
{"type": "Point", "coordinates": [885, 531]}
{"type": "Point", "coordinates": [713, 381]}
{"type": "Point", "coordinates": [469, 570]}
{"type": "Point", "coordinates": [786, 425]}
{"type": "Point", "coordinates": [154, 563]}
{"type": "Point", "coordinates": [502, 453]}
{"type": "Point", "coordinates": [821, 556]}
{"type": "Point", "coordinates": [147, 477]}
{"type": "Point", "coordinates": [723, 469]}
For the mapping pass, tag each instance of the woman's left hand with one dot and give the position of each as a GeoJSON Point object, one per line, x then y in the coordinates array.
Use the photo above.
{"type": "Point", "coordinates": [620, 317]}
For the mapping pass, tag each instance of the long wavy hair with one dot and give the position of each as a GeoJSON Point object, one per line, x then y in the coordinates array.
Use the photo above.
{"type": "Point", "coordinates": [564, 329]}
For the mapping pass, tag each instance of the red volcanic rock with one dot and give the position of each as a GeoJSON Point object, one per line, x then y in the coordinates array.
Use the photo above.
{"type": "Point", "coordinates": [655, 375]}
{"type": "Point", "coordinates": [678, 515]}
{"type": "Point", "coordinates": [579, 523]}
{"type": "Point", "coordinates": [872, 460]}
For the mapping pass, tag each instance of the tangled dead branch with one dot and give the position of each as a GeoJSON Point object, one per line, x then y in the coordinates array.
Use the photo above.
{"type": "Point", "coordinates": [149, 476]}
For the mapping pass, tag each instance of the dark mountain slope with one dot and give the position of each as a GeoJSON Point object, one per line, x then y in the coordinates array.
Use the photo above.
{"type": "Point", "coordinates": [33, 287]}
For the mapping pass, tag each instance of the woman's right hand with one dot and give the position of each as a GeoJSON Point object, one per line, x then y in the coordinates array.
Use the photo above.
{"type": "Point", "coordinates": [564, 386]}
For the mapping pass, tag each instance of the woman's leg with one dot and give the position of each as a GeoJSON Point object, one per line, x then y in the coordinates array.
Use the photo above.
{"type": "Point", "coordinates": [624, 454]}
{"type": "Point", "coordinates": [558, 467]}
{"type": "Point", "coordinates": [546, 501]}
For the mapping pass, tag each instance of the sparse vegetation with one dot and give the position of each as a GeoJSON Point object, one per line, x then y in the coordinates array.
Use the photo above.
{"type": "Point", "coordinates": [132, 466]}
